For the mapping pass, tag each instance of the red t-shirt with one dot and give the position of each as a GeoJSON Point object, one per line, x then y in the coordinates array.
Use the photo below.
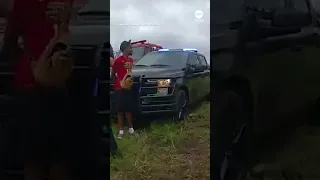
{"type": "Point", "coordinates": [29, 19]}
{"type": "Point", "coordinates": [121, 67]}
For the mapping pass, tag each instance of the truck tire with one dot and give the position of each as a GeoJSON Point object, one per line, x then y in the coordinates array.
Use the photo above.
{"type": "Point", "coordinates": [231, 136]}
{"type": "Point", "coordinates": [182, 106]}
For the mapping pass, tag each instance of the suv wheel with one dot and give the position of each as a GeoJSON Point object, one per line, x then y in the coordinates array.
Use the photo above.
{"type": "Point", "coordinates": [182, 107]}
{"type": "Point", "coordinates": [231, 136]}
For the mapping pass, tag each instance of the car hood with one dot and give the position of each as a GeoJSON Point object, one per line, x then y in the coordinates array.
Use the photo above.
{"type": "Point", "coordinates": [95, 35]}
{"type": "Point", "coordinates": [151, 72]}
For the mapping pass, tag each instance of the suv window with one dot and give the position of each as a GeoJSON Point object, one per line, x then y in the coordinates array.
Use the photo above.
{"type": "Point", "coordinates": [193, 60]}
{"type": "Point", "coordinates": [269, 4]}
{"type": "Point", "coordinates": [95, 5]}
{"type": "Point", "coordinates": [203, 61]}
{"type": "Point", "coordinates": [316, 5]}
{"type": "Point", "coordinates": [220, 7]}
{"type": "Point", "coordinates": [301, 6]}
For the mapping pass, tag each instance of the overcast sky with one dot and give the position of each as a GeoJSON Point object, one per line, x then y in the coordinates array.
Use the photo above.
{"type": "Point", "coordinates": [171, 24]}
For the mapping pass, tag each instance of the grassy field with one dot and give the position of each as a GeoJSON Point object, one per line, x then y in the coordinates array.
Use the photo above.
{"type": "Point", "coordinates": [171, 151]}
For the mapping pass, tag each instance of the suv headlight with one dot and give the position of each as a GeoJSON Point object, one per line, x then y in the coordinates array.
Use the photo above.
{"type": "Point", "coordinates": [164, 82]}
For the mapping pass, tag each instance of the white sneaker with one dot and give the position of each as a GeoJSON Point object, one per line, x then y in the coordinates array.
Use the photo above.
{"type": "Point", "coordinates": [131, 131]}
{"type": "Point", "coordinates": [120, 135]}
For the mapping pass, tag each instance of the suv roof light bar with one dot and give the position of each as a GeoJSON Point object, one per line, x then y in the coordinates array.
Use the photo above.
{"type": "Point", "coordinates": [187, 49]}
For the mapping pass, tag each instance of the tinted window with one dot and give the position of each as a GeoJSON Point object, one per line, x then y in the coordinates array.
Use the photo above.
{"type": "Point", "coordinates": [138, 53]}
{"type": "Point", "coordinates": [226, 10]}
{"type": "Point", "coordinates": [174, 59]}
{"type": "Point", "coordinates": [316, 4]}
{"type": "Point", "coordinates": [267, 4]}
{"type": "Point", "coordinates": [95, 5]}
{"type": "Point", "coordinates": [301, 5]}
{"type": "Point", "coordinates": [193, 60]}
{"type": "Point", "coordinates": [203, 61]}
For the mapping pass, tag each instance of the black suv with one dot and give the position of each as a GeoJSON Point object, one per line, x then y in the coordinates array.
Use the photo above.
{"type": "Point", "coordinates": [170, 80]}
{"type": "Point", "coordinates": [264, 73]}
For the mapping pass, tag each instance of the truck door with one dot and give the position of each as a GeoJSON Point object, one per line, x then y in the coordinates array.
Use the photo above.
{"type": "Point", "coordinates": [205, 88]}
{"type": "Point", "coordinates": [305, 56]}
{"type": "Point", "coordinates": [272, 55]}
{"type": "Point", "coordinates": [194, 78]}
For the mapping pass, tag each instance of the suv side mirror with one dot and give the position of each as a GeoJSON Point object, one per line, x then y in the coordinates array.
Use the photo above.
{"type": "Point", "coordinates": [190, 69]}
{"type": "Point", "coordinates": [199, 69]}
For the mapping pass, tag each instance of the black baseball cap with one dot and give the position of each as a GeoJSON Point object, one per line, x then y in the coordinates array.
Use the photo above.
{"type": "Point", "coordinates": [125, 45]}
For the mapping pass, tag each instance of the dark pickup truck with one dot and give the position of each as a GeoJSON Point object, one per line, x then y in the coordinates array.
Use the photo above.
{"type": "Point", "coordinates": [168, 81]}
{"type": "Point", "coordinates": [264, 73]}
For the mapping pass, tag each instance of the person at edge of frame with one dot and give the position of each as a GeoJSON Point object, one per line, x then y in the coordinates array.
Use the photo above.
{"type": "Point", "coordinates": [47, 141]}
{"type": "Point", "coordinates": [113, 144]}
{"type": "Point", "coordinates": [124, 100]}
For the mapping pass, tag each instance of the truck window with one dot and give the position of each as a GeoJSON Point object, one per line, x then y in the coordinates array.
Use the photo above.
{"type": "Point", "coordinates": [193, 60]}
{"type": "Point", "coordinates": [269, 4]}
{"type": "Point", "coordinates": [94, 6]}
{"type": "Point", "coordinates": [316, 5]}
{"type": "Point", "coordinates": [203, 61]}
{"type": "Point", "coordinates": [225, 11]}
{"type": "Point", "coordinates": [301, 6]}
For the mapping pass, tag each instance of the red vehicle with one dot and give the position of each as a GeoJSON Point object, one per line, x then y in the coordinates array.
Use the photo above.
{"type": "Point", "coordinates": [141, 48]}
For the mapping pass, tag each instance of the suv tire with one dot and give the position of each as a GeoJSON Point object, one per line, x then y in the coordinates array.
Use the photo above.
{"type": "Point", "coordinates": [182, 106]}
{"type": "Point", "coordinates": [231, 136]}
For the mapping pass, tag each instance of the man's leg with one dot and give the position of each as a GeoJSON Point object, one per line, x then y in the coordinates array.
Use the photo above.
{"type": "Point", "coordinates": [64, 144]}
{"type": "Point", "coordinates": [34, 137]}
{"type": "Point", "coordinates": [120, 103]}
{"type": "Point", "coordinates": [34, 171]}
{"type": "Point", "coordinates": [129, 107]}
{"type": "Point", "coordinates": [120, 125]}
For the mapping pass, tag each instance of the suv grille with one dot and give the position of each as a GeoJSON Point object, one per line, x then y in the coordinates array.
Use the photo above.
{"type": "Point", "coordinates": [150, 87]}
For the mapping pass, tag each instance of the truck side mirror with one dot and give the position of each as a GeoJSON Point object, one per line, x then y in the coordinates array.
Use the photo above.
{"type": "Point", "coordinates": [190, 69]}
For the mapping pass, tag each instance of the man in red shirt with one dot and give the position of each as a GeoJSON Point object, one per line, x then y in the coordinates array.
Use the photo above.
{"type": "Point", "coordinates": [43, 112]}
{"type": "Point", "coordinates": [122, 65]}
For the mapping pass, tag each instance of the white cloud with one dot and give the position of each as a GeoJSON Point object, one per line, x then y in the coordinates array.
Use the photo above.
{"type": "Point", "coordinates": [171, 24]}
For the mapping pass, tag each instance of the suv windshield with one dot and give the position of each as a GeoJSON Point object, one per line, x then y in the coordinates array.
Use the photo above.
{"type": "Point", "coordinates": [137, 53]}
{"type": "Point", "coordinates": [175, 59]}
